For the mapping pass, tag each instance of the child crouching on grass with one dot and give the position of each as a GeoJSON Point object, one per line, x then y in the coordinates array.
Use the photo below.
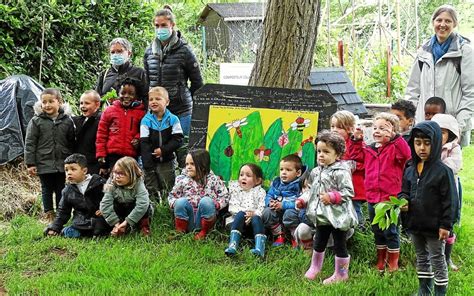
{"type": "Point", "coordinates": [330, 206]}
{"type": "Point", "coordinates": [126, 203]}
{"type": "Point", "coordinates": [197, 195]}
{"type": "Point", "coordinates": [246, 203]}
{"type": "Point", "coordinates": [430, 189]}
{"type": "Point", "coordinates": [82, 195]}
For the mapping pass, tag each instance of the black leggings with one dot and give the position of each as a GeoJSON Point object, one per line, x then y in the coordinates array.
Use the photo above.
{"type": "Point", "coordinates": [321, 240]}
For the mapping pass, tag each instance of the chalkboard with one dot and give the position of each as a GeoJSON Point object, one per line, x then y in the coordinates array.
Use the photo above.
{"type": "Point", "coordinates": [256, 97]}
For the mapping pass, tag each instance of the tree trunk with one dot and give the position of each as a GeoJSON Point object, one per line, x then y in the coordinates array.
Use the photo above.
{"type": "Point", "coordinates": [285, 54]}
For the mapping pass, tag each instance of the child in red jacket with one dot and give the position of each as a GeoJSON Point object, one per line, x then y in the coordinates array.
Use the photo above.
{"type": "Point", "coordinates": [384, 161]}
{"type": "Point", "coordinates": [118, 134]}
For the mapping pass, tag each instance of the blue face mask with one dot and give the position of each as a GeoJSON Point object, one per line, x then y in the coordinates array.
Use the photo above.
{"type": "Point", "coordinates": [117, 59]}
{"type": "Point", "coordinates": [163, 34]}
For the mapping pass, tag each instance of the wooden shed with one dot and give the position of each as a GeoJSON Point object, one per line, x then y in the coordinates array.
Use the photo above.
{"type": "Point", "coordinates": [232, 30]}
{"type": "Point", "coordinates": [336, 81]}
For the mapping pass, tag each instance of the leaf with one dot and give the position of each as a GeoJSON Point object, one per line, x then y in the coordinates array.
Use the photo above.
{"type": "Point", "coordinates": [295, 137]}
{"type": "Point", "coordinates": [220, 163]}
{"type": "Point", "coordinates": [270, 141]}
{"type": "Point", "coordinates": [393, 216]}
{"type": "Point", "coordinates": [309, 155]}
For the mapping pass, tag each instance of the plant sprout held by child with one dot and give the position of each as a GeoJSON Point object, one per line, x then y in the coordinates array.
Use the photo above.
{"type": "Point", "coordinates": [246, 204]}
{"type": "Point", "coordinates": [330, 206]}
{"type": "Point", "coordinates": [126, 203]}
{"type": "Point", "coordinates": [197, 195]}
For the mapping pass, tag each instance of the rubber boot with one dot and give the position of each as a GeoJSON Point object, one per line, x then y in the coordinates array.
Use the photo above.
{"type": "Point", "coordinates": [181, 225]}
{"type": "Point", "coordinates": [341, 271]}
{"type": "Point", "coordinates": [316, 264]}
{"type": "Point", "coordinates": [233, 243]}
{"type": "Point", "coordinates": [440, 290]}
{"type": "Point", "coordinates": [381, 257]}
{"type": "Point", "coordinates": [426, 284]}
{"type": "Point", "coordinates": [280, 241]}
{"type": "Point", "coordinates": [447, 252]}
{"type": "Point", "coordinates": [144, 225]}
{"type": "Point", "coordinates": [259, 249]}
{"type": "Point", "coordinates": [206, 226]}
{"type": "Point", "coordinates": [393, 256]}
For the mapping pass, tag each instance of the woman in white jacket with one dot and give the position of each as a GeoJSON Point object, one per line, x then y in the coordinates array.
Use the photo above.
{"type": "Point", "coordinates": [444, 68]}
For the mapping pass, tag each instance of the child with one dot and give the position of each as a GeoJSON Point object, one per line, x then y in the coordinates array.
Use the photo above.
{"type": "Point", "coordinates": [49, 140]}
{"type": "Point", "coordinates": [119, 127]}
{"type": "Point", "coordinates": [452, 157]}
{"type": "Point", "coordinates": [330, 207]}
{"type": "Point", "coordinates": [160, 136]}
{"type": "Point", "coordinates": [126, 203]}
{"type": "Point", "coordinates": [246, 203]}
{"type": "Point", "coordinates": [197, 195]}
{"type": "Point", "coordinates": [86, 128]}
{"type": "Point", "coordinates": [343, 122]}
{"type": "Point", "coordinates": [82, 194]}
{"type": "Point", "coordinates": [384, 161]}
{"type": "Point", "coordinates": [405, 111]}
{"type": "Point", "coordinates": [431, 191]}
{"type": "Point", "coordinates": [280, 200]}
{"type": "Point", "coordinates": [434, 105]}
{"type": "Point", "coordinates": [305, 230]}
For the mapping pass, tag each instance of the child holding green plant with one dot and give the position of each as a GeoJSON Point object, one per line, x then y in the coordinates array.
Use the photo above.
{"type": "Point", "coordinates": [430, 189]}
{"type": "Point", "coordinates": [384, 162]}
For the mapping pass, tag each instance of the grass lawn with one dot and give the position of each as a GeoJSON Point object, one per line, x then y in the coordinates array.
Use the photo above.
{"type": "Point", "coordinates": [165, 265]}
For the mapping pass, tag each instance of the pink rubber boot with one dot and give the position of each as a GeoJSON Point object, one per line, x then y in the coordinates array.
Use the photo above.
{"type": "Point", "coordinates": [316, 265]}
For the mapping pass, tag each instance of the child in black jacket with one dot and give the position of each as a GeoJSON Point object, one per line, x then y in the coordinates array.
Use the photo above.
{"type": "Point", "coordinates": [82, 194]}
{"type": "Point", "coordinates": [431, 191]}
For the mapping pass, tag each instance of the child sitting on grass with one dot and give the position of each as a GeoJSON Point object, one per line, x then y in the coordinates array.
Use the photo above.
{"type": "Point", "coordinates": [82, 195]}
{"type": "Point", "coordinates": [330, 206]}
{"type": "Point", "coordinates": [197, 195]}
{"type": "Point", "coordinates": [280, 206]}
{"type": "Point", "coordinates": [246, 203]}
{"type": "Point", "coordinates": [49, 140]}
{"type": "Point", "coordinates": [430, 189]}
{"type": "Point", "coordinates": [126, 204]}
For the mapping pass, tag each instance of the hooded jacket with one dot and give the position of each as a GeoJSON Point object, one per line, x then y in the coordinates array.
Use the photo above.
{"type": "Point", "coordinates": [451, 154]}
{"type": "Point", "coordinates": [442, 79]}
{"type": "Point", "coordinates": [118, 126]}
{"type": "Point", "coordinates": [86, 132]}
{"type": "Point", "coordinates": [171, 67]}
{"type": "Point", "coordinates": [287, 192]}
{"type": "Point", "coordinates": [337, 181]}
{"type": "Point", "coordinates": [84, 205]}
{"type": "Point", "coordinates": [48, 142]}
{"type": "Point", "coordinates": [431, 195]}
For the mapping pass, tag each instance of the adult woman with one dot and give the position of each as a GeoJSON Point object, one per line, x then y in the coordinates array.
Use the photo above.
{"type": "Point", "coordinates": [444, 68]}
{"type": "Point", "coordinates": [121, 68]}
{"type": "Point", "coordinates": [169, 62]}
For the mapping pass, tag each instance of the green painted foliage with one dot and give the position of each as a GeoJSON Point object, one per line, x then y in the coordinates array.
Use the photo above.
{"type": "Point", "coordinates": [220, 163]}
{"type": "Point", "coordinates": [270, 141]}
{"type": "Point", "coordinates": [295, 137]}
{"type": "Point", "coordinates": [309, 155]}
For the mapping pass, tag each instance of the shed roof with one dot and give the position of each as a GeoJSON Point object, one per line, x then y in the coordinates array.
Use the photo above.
{"type": "Point", "coordinates": [235, 11]}
{"type": "Point", "coordinates": [337, 83]}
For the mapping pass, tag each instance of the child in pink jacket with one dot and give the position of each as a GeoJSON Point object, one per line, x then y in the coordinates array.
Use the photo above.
{"type": "Point", "coordinates": [384, 161]}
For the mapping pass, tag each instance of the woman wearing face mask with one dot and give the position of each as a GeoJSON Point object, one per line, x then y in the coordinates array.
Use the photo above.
{"type": "Point", "coordinates": [170, 62]}
{"type": "Point", "coordinates": [444, 68]}
{"type": "Point", "coordinates": [121, 68]}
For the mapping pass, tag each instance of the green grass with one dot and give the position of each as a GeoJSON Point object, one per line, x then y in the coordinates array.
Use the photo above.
{"type": "Point", "coordinates": [166, 265]}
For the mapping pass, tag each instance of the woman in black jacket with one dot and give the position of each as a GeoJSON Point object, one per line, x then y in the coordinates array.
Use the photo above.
{"type": "Point", "coordinates": [170, 62]}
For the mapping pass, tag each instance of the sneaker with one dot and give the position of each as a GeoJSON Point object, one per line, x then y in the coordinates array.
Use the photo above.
{"type": "Point", "coordinates": [279, 241]}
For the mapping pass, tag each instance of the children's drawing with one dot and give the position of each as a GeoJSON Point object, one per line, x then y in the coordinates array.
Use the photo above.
{"type": "Point", "coordinates": [238, 135]}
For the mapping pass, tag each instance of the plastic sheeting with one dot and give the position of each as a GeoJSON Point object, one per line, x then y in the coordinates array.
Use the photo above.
{"type": "Point", "coordinates": [18, 94]}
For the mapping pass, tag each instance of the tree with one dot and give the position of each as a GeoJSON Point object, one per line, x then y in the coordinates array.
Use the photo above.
{"type": "Point", "coordinates": [285, 54]}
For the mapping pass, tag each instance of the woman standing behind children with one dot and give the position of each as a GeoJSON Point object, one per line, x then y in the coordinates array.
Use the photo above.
{"type": "Point", "coordinates": [384, 162]}
{"type": "Point", "coordinates": [126, 203]}
{"type": "Point", "coordinates": [160, 136]}
{"type": "Point", "coordinates": [118, 134]}
{"type": "Point", "coordinates": [197, 195]}
{"type": "Point", "coordinates": [343, 122]}
{"type": "Point", "coordinates": [49, 140]}
{"type": "Point", "coordinates": [246, 204]}
{"type": "Point", "coordinates": [330, 207]}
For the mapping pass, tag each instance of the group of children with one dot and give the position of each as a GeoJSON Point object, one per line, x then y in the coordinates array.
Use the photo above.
{"type": "Point", "coordinates": [312, 207]}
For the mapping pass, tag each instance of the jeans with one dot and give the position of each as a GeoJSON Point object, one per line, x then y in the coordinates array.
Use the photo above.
{"type": "Point", "coordinates": [322, 236]}
{"type": "Point", "coordinates": [239, 224]}
{"type": "Point", "coordinates": [184, 210]}
{"type": "Point", "coordinates": [358, 208]}
{"type": "Point", "coordinates": [185, 121]}
{"type": "Point", "coordinates": [288, 217]}
{"type": "Point", "coordinates": [51, 183]}
{"type": "Point", "coordinates": [388, 237]}
{"type": "Point", "coordinates": [430, 257]}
